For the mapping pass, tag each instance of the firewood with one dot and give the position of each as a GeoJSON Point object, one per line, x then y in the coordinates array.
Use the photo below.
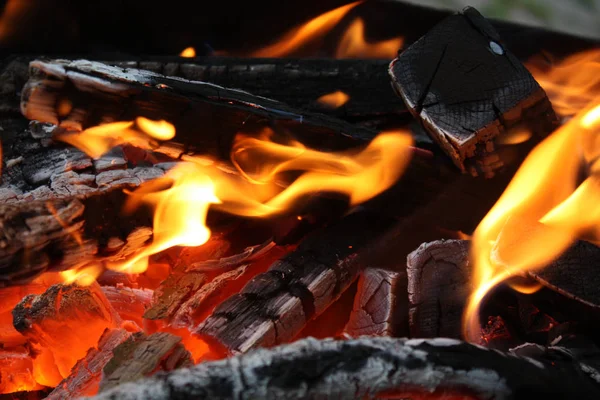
{"type": "Point", "coordinates": [379, 305]}
{"type": "Point", "coordinates": [142, 355]}
{"type": "Point", "coordinates": [372, 368]}
{"type": "Point", "coordinates": [438, 288]}
{"type": "Point", "coordinates": [129, 303]}
{"type": "Point", "coordinates": [84, 379]}
{"type": "Point", "coordinates": [274, 306]}
{"type": "Point", "coordinates": [101, 93]}
{"type": "Point", "coordinates": [466, 87]}
{"type": "Point", "coordinates": [66, 320]}
{"type": "Point", "coordinates": [16, 372]}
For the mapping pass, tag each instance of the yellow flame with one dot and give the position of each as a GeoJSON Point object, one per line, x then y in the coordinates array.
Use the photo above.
{"type": "Point", "coordinates": [514, 137]}
{"type": "Point", "coordinates": [188, 52]}
{"type": "Point", "coordinates": [542, 211]}
{"type": "Point", "coordinates": [334, 100]}
{"type": "Point", "coordinates": [83, 276]}
{"type": "Point", "coordinates": [98, 140]}
{"type": "Point", "coordinates": [354, 45]}
{"type": "Point", "coordinates": [572, 83]}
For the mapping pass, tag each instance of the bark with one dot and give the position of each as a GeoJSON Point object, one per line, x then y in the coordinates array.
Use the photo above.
{"type": "Point", "coordinates": [373, 367]}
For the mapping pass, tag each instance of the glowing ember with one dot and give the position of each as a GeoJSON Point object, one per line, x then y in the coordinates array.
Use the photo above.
{"type": "Point", "coordinates": [540, 214]}
{"type": "Point", "coordinates": [334, 100]}
{"type": "Point", "coordinates": [188, 52]}
{"type": "Point", "coordinates": [354, 45]}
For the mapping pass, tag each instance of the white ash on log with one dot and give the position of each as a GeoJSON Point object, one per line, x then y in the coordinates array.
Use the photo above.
{"type": "Point", "coordinates": [380, 307]}
{"type": "Point", "coordinates": [274, 306]}
{"type": "Point", "coordinates": [142, 355]}
{"type": "Point", "coordinates": [467, 89]}
{"type": "Point", "coordinates": [371, 368]}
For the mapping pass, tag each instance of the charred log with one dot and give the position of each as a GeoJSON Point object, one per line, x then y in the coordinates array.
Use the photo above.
{"type": "Point", "coordinates": [374, 367]}
{"type": "Point", "coordinates": [129, 303]}
{"type": "Point", "coordinates": [467, 88]}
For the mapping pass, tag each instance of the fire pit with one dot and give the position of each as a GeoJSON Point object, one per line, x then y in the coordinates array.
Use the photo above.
{"type": "Point", "coordinates": [412, 214]}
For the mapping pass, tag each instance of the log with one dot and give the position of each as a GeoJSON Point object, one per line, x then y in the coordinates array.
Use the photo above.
{"type": "Point", "coordinates": [16, 372]}
{"type": "Point", "coordinates": [467, 89]}
{"type": "Point", "coordinates": [84, 379]}
{"type": "Point", "coordinates": [274, 306]}
{"type": "Point", "coordinates": [379, 307]}
{"type": "Point", "coordinates": [438, 288]}
{"type": "Point", "coordinates": [129, 303]}
{"type": "Point", "coordinates": [124, 94]}
{"type": "Point", "coordinates": [371, 368]}
{"type": "Point", "coordinates": [142, 355]}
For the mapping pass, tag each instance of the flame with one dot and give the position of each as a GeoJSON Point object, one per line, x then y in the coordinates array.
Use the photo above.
{"type": "Point", "coordinates": [334, 100]}
{"type": "Point", "coordinates": [540, 213]}
{"type": "Point", "coordinates": [98, 140]}
{"type": "Point", "coordinates": [83, 276]}
{"type": "Point", "coordinates": [572, 83]}
{"type": "Point", "coordinates": [354, 45]}
{"type": "Point", "coordinates": [182, 198]}
{"type": "Point", "coordinates": [188, 52]}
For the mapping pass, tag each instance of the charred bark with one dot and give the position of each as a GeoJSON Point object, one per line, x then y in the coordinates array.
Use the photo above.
{"type": "Point", "coordinates": [373, 368]}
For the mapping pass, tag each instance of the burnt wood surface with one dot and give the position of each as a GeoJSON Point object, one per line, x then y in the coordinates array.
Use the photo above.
{"type": "Point", "coordinates": [373, 368]}
{"type": "Point", "coordinates": [379, 306]}
{"type": "Point", "coordinates": [467, 88]}
{"type": "Point", "coordinates": [438, 288]}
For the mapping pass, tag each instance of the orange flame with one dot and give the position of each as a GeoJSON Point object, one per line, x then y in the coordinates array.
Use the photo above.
{"type": "Point", "coordinates": [184, 195]}
{"type": "Point", "coordinates": [334, 100]}
{"type": "Point", "coordinates": [188, 52]}
{"type": "Point", "coordinates": [540, 213]}
{"type": "Point", "coordinates": [572, 83]}
{"type": "Point", "coordinates": [354, 45]}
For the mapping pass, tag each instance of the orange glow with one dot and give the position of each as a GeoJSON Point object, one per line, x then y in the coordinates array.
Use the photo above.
{"type": "Point", "coordinates": [354, 45]}
{"type": "Point", "coordinates": [572, 83]}
{"type": "Point", "coordinates": [16, 372]}
{"type": "Point", "coordinates": [98, 140]}
{"type": "Point", "coordinates": [542, 211]}
{"type": "Point", "coordinates": [182, 198]}
{"type": "Point", "coordinates": [188, 52]}
{"type": "Point", "coordinates": [298, 37]}
{"type": "Point", "coordinates": [334, 100]}
{"type": "Point", "coordinates": [514, 137]}
{"type": "Point", "coordinates": [83, 276]}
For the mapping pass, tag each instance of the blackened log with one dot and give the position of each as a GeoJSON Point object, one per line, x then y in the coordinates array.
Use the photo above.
{"type": "Point", "coordinates": [142, 355]}
{"type": "Point", "coordinates": [438, 288]}
{"type": "Point", "coordinates": [380, 307]}
{"type": "Point", "coordinates": [467, 88]}
{"type": "Point", "coordinates": [99, 93]}
{"type": "Point", "coordinates": [274, 306]}
{"type": "Point", "coordinates": [371, 368]}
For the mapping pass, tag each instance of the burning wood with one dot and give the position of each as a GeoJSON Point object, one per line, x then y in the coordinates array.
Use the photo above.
{"type": "Point", "coordinates": [142, 355]}
{"type": "Point", "coordinates": [16, 372]}
{"type": "Point", "coordinates": [64, 322]}
{"type": "Point", "coordinates": [467, 89]}
{"type": "Point", "coordinates": [379, 308]}
{"type": "Point", "coordinates": [373, 367]}
{"type": "Point", "coordinates": [129, 303]}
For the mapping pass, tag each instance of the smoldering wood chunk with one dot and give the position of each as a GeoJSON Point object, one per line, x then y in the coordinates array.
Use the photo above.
{"type": "Point", "coordinates": [100, 93]}
{"type": "Point", "coordinates": [467, 88]}
{"type": "Point", "coordinates": [142, 355]}
{"type": "Point", "coordinates": [85, 376]}
{"type": "Point", "coordinates": [370, 368]}
{"type": "Point", "coordinates": [379, 307]}
{"type": "Point", "coordinates": [438, 288]}
{"type": "Point", "coordinates": [274, 306]}
{"type": "Point", "coordinates": [66, 320]}
{"type": "Point", "coordinates": [39, 169]}
{"type": "Point", "coordinates": [129, 303]}
{"type": "Point", "coordinates": [175, 290]}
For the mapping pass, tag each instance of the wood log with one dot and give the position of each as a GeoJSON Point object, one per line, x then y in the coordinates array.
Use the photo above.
{"type": "Point", "coordinates": [438, 288]}
{"type": "Point", "coordinates": [16, 372]}
{"type": "Point", "coordinates": [129, 303]}
{"type": "Point", "coordinates": [142, 355]}
{"type": "Point", "coordinates": [372, 368]}
{"type": "Point", "coordinates": [379, 305]}
{"type": "Point", "coordinates": [84, 379]}
{"type": "Point", "coordinates": [274, 306]}
{"type": "Point", "coordinates": [467, 88]}
{"type": "Point", "coordinates": [124, 94]}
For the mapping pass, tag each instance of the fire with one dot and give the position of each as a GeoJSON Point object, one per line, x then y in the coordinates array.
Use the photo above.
{"type": "Point", "coordinates": [334, 100]}
{"type": "Point", "coordinates": [571, 83]}
{"type": "Point", "coordinates": [188, 52]}
{"type": "Point", "coordinates": [83, 276]}
{"type": "Point", "coordinates": [354, 45]}
{"type": "Point", "coordinates": [542, 211]}
{"type": "Point", "coordinates": [182, 198]}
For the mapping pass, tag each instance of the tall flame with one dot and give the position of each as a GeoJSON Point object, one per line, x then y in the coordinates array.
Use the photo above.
{"type": "Point", "coordinates": [542, 211]}
{"type": "Point", "coordinates": [182, 198]}
{"type": "Point", "coordinates": [354, 45]}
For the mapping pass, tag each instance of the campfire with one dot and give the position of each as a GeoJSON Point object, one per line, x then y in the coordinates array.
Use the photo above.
{"type": "Point", "coordinates": [330, 214]}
